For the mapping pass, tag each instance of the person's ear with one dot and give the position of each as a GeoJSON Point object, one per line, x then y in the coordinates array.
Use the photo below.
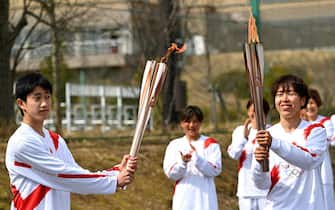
{"type": "Point", "coordinates": [21, 104]}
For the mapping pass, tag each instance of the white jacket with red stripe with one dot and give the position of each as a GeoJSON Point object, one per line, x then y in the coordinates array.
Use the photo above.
{"type": "Point", "coordinates": [332, 142]}
{"type": "Point", "coordinates": [326, 167]}
{"type": "Point", "coordinates": [195, 187]}
{"type": "Point", "coordinates": [43, 172]}
{"type": "Point", "coordinates": [294, 180]}
{"type": "Point", "coordinates": [242, 150]}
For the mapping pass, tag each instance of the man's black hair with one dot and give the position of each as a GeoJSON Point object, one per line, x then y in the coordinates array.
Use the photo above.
{"type": "Point", "coordinates": [27, 83]}
{"type": "Point", "coordinates": [189, 112]}
{"type": "Point", "coordinates": [290, 80]}
{"type": "Point", "coordinates": [266, 106]}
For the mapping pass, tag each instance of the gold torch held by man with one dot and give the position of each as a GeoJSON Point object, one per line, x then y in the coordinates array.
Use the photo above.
{"type": "Point", "coordinates": [254, 65]}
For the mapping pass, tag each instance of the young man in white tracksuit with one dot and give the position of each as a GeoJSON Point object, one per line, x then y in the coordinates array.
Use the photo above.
{"type": "Point", "coordinates": [41, 168]}
{"type": "Point", "coordinates": [242, 147]}
{"type": "Point", "coordinates": [312, 113]}
{"type": "Point", "coordinates": [193, 161]}
{"type": "Point", "coordinates": [296, 152]}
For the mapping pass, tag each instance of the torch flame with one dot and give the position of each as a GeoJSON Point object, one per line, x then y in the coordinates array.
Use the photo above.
{"type": "Point", "coordinates": [173, 48]}
{"type": "Point", "coordinates": [252, 29]}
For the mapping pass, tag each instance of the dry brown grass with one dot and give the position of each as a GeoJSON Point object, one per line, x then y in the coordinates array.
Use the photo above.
{"type": "Point", "coordinates": [150, 190]}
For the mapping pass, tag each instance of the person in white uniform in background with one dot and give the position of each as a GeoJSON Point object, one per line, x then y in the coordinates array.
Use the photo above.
{"type": "Point", "coordinates": [332, 142]}
{"type": "Point", "coordinates": [295, 149]}
{"type": "Point", "coordinates": [193, 161]}
{"type": "Point", "coordinates": [242, 148]}
{"type": "Point", "coordinates": [312, 113]}
{"type": "Point", "coordinates": [41, 168]}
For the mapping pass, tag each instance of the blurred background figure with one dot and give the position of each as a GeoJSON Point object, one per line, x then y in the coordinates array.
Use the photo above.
{"type": "Point", "coordinates": [242, 147]}
{"type": "Point", "coordinates": [312, 115]}
{"type": "Point", "coordinates": [193, 161]}
{"type": "Point", "coordinates": [303, 114]}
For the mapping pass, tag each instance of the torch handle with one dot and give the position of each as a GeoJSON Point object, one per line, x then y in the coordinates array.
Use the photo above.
{"type": "Point", "coordinates": [265, 165]}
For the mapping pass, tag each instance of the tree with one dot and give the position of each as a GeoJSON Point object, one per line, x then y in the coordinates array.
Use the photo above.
{"type": "Point", "coordinates": [8, 33]}
{"type": "Point", "coordinates": [153, 35]}
{"type": "Point", "coordinates": [233, 83]}
{"type": "Point", "coordinates": [59, 17]}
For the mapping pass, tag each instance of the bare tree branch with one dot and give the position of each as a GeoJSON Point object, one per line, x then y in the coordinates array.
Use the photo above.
{"type": "Point", "coordinates": [17, 56]}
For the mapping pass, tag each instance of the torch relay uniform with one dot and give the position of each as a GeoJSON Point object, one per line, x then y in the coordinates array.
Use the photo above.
{"type": "Point", "coordinates": [332, 142]}
{"type": "Point", "coordinates": [326, 167]}
{"type": "Point", "coordinates": [294, 180]}
{"type": "Point", "coordinates": [250, 196]}
{"type": "Point", "coordinates": [194, 187]}
{"type": "Point", "coordinates": [43, 172]}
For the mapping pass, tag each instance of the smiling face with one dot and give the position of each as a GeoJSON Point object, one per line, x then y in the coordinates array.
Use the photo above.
{"type": "Point", "coordinates": [36, 107]}
{"type": "Point", "coordinates": [191, 128]}
{"type": "Point", "coordinates": [312, 109]}
{"type": "Point", "coordinates": [288, 102]}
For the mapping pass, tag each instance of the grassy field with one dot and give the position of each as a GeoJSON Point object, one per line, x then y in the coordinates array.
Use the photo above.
{"type": "Point", "coordinates": [150, 190]}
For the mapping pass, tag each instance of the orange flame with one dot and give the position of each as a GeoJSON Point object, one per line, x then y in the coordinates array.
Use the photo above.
{"type": "Point", "coordinates": [252, 30]}
{"type": "Point", "coordinates": [173, 48]}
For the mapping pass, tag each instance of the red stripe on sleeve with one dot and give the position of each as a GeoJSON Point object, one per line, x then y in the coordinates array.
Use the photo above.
{"type": "Point", "coordinates": [175, 185]}
{"type": "Point", "coordinates": [171, 168]}
{"type": "Point", "coordinates": [309, 129]}
{"type": "Point", "coordinates": [20, 164]}
{"type": "Point", "coordinates": [304, 149]}
{"type": "Point", "coordinates": [30, 202]}
{"type": "Point", "coordinates": [242, 159]}
{"type": "Point", "coordinates": [209, 141]}
{"type": "Point", "coordinates": [80, 176]}
{"type": "Point", "coordinates": [253, 141]}
{"type": "Point", "coordinates": [114, 168]}
{"type": "Point", "coordinates": [54, 137]}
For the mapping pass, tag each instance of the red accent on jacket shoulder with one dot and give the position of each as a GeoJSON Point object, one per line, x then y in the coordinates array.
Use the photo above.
{"type": "Point", "coordinates": [309, 129]}
{"type": "Point", "coordinates": [324, 120]}
{"type": "Point", "coordinates": [209, 141]}
{"type": "Point", "coordinates": [54, 137]}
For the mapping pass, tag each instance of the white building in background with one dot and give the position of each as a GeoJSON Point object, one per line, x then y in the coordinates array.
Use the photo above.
{"type": "Point", "coordinates": [98, 41]}
{"type": "Point", "coordinates": [99, 38]}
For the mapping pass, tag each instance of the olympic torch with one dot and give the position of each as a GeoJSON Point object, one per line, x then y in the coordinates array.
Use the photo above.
{"type": "Point", "coordinates": [152, 81]}
{"type": "Point", "coordinates": [254, 64]}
